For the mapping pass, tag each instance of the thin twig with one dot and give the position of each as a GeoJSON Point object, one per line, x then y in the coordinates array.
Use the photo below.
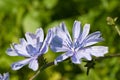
{"type": "Point", "coordinates": [108, 56]}
{"type": "Point", "coordinates": [41, 69]}
{"type": "Point", "coordinates": [52, 63]}
{"type": "Point", "coordinates": [91, 64]}
{"type": "Point", "coordinates": [35, 75]}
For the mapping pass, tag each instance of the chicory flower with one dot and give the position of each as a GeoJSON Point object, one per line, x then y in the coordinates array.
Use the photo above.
{"type": "Point", "coordinates": [31, 48]}
{"type": "Point", "coordinates": [79, 46]}
{"type": "Point", "coordinates": [5, 76]}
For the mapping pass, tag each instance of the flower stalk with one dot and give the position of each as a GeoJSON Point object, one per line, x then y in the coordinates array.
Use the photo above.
{"type": "Point", "coordinates": [91, 64]}
{"type": "Point", "coordinates": [88, 65]}
{"type": "Point", "coordinates": [41, 69]}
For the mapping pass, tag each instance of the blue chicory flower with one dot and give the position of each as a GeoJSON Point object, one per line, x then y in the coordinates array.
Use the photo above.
{"type": "Point", "coordinates": [80, 46]}
{"type": "Point", "coordinates": [5, 76]}
{"type": "Point", "coordinates": [31, 48]}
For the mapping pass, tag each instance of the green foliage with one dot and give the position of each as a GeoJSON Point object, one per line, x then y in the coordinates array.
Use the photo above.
{"type": "Point", "coordinates": [20, 16]}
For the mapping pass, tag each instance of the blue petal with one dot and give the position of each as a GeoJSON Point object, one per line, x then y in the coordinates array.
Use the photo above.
{"type": "Point", "coordinates": [46, 42]}
{"type": "Point", "coordinates": [64, 29]}
{"type": "Point", "coordinates": [66, 41]}
{"type": "Point", "coordinates": [31, 50]}
{"type": "Point", "coordinates": [83, 54]}
{"type": "Point", "coordinates": [57, 45]}
{"type": "Point", "coordinates": [11, 52]}
{"type": "Point", "coordinates": [97, 51]}
{"type": "Point", "coordinates": [59, 49]}
{"type": "Point", "coordinates": [23, 41]}
{"type": "Point", "coordinates": [62, 34]}
{"type": "Point", "coordinates": [31, 38]}
{"type": "Point", "coordinates": [57, 42]}
{"type": "Point", "coordinates": [87, 53]}
{"type": "Point", "coordinates": [5, 76]}
{"type": "Point", "coordinates": [76, 30]}
{"type": "Point", "coordinates": [63, 57]}
{"type": "Point", "coordinates": [20, 64]}
{"type": "Point", "coordinates": [33, 65]}
{"type": "Point", "coordinates": [75, 59]}
{"type": "Point", "coordinates": [0, 77]}
{"type": "Point", "coordinates": [21, 50]}
{"type": "Point", "coordinates": [93, 39]}
{"type": "Point", "coordinates": [44, 49]}
{"type": "Point", "coordinates": [40, 34]}
{"type": "Point", "coordinates": [85, 32]}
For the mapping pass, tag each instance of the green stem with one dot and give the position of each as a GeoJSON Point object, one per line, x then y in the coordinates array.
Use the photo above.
{"type": "Point", "coordinates": [41, 69]}
{"type": "Point", "coordinates": [52, 63]}
{"type": "Point", "coordinates": [108, 56]}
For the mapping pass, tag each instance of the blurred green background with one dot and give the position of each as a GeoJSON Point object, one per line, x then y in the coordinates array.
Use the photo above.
{"type": "Point", "coordinates": [20, 16]}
